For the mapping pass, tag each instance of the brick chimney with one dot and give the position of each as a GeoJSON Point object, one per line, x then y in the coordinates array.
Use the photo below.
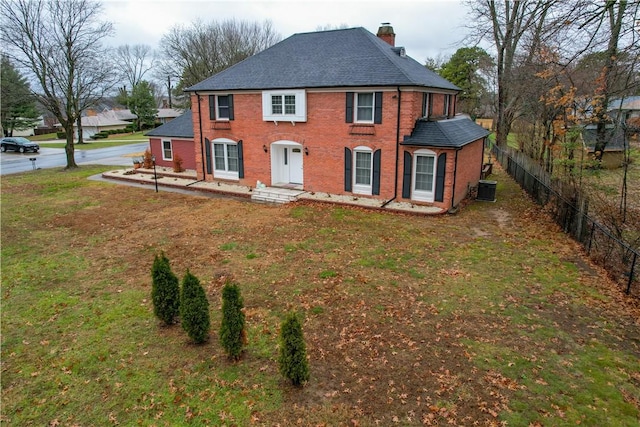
{"type": "Point", "coordinates": [385, 32]}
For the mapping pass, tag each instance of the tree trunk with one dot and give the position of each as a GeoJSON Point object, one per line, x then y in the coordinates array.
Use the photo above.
{"type": "Point", "coordinates": [601, 118]}
{"type": "Point", "coordinates": [79, 122]}
{"type": "Point", "coordinates": [69, 147]}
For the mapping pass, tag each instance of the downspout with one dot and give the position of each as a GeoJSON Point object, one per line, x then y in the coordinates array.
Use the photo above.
{"type": "Point", "coordinates": [455, 176]}
{"type": "Point", "coordinates": [395, 186]}
{"type": "Point", "coordinates": [204, 170]}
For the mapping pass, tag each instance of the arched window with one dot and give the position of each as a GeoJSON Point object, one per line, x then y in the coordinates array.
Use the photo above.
{"type": "Point", "coordinates": [226, 158]}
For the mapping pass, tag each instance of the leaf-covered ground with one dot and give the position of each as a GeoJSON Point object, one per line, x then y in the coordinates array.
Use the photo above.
{"type": "Point", "coordinates": [488, 317]}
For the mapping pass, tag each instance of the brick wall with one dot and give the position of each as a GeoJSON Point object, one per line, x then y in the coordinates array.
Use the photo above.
{"type": "Point", "coordinates": [325, 135]}
{"type": "Point", "coordinates": [182, 147]}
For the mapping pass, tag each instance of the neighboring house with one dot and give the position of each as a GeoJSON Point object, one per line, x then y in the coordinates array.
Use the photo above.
{"type": "Point", "coordinates": [165, 115]}
{"type": "Point", "coordinates": [625, 108]}
{"type": "Point", "coordinates": [613, 155]}
{"type": "Point", "coordinates": [343, 112]}
{"type": "Point", "coordinates": [175, 138]}
{"type": "Point", "coordinates": [107, 120]}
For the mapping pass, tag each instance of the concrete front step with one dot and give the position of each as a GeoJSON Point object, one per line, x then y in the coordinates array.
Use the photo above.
{"type": "Point", "coordinates": [275, 195]}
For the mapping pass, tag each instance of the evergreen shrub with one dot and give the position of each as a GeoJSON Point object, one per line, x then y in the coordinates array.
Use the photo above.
{"type": "Point", "coordinates": [232, 333]}
{"type": "Point", "coordinates": [194, 309]}
{"type": "Point", "coordinates": [293, 351]}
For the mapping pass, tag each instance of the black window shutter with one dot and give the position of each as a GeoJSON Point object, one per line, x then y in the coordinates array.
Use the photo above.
{"type": "Point", "coordinates": [240, 160]}
{"type": "Point", "coordinates": [406, 176]}
{"type": "Point", "coordinates": [349, 109]}
{"type": "Point", "coordinates": [347, 169]}
{"type": "Point", "coordinates": [212, 107]}
{"type": "Point", "coordinates": [440, 174]}
{"type": "Point", "coordinates": [230, 107]}
{"type": "Point", "coordinates": [377, 114]}
{"type": "Point", "coordinates": [207, 151]}
{"type": "Point", "coordinates": [376, 172]}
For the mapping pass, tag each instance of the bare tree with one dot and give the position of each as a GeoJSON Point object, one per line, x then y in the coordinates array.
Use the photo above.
{"type": "Point", "coordinates": [516, 29]}
{"type": "Point", "coordinates": [199, 50]}
{"type": "Point", "coordinates": [614, 20]}
{"type": "Point", "coordinates": [135, 62]}
{"type": "Point", "coordinates": [59, 43]}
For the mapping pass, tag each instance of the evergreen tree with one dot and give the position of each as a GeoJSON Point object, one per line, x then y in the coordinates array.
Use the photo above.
{"type": "Point", "coordinates": [293, 352]}
{"type": "Point", "coordinates": [232, 333]}
{"type": "Point", "coordinates": [142, 103]}
{"type": "Point", "coordinates": [18, 111]}
{"type": "Point", "coordinates": [194, 309]}
{"type": "Point", "coordinates": [165, 290]}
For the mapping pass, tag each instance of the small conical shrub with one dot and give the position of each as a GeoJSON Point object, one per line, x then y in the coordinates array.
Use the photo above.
{"type": "Point", "coordinates": [194, 309]}
{"type": "Point", "coordinates": [232, 334]}
{"type": "Point", "coordinates": [165, 290]}
{"type": "Point", "coordinates": [293, 351]}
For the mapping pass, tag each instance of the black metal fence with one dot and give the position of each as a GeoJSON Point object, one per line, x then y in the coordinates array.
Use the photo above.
{"type": "Point", "coordinates": [570, 211]}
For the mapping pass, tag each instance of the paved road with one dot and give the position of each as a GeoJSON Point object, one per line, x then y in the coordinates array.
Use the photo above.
{"type": "Point", "coordinates": [11, 162]}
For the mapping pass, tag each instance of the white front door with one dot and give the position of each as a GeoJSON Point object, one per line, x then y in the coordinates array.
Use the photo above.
{"type": "Point", "coordinates": [286, 163]}
{"type": "Point", "coordinates": [295, 165]}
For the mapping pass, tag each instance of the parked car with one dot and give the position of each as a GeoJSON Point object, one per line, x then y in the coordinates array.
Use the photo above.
{"type": "Point", "coordinates": [18, 143]}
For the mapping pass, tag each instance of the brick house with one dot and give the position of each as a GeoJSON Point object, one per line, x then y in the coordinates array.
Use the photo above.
{"type": "Point", "coordinates": [174, 138]}
{"type": "Point", "coordinates": [343, 112]}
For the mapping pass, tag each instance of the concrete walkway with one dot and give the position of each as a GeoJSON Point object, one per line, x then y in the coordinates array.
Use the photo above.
{"type": "Point", "coordinates": [187, 181]}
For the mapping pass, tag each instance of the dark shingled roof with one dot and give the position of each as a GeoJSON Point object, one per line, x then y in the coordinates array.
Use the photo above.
{"type": "Point", "coordinates": [337, 58]}
{"type": "Point", "coordinates": [451, 133]}
{"type": "Point", "coordinates": [180, 127]}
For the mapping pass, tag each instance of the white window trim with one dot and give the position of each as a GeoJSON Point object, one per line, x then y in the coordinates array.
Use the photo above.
{"type": "Point", "coordinates": [301, 106]}
{"type": "Point", "coordinates": [447, 104]}
{"type": "Point", "coordinates": [226, 173]}
{"type": "Point", "coordinates": [421, 195]}
{"type": "Point", "coordinates": [360, 188]}
{"type": "Point", "coordinates": [218, 109]}
{"type": "Point", "coordinates": [162, 141]}
{"type": "Point", "coordinates": [355, 107]}
{"type": "Point", "coordinates": [426, 102]}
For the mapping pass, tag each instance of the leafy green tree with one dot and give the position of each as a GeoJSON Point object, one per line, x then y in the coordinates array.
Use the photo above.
{"type": "Point", "coordinates": [194, 309]}
{"type": "Point", "coordinates": [18, 110]}
{"type": "Point", "coordinates": [464, 69]}
{"type": "Point", "coordinates": [232, 333]}
{"type": "Point", "coordinates": [293, 352]}
{"type": "Point", "coordinates": [165, 291]}
{"type": "Point", "coordinates": [142, 103]}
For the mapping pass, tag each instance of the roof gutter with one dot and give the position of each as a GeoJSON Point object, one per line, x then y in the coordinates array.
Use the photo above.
{"type": "Point", "coordinates": [204, 170]}
{"type": "Point", "coordinates": [395, 182]}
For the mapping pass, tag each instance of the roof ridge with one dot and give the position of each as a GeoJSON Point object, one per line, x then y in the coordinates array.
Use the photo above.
{"type": "Point", "coordinates": [385, 51]}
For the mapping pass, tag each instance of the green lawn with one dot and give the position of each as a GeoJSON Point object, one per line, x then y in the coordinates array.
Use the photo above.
{"type": "Point", "coordinates": [485, 317]}
{"type": "Point", "coordinates": [112, 141]}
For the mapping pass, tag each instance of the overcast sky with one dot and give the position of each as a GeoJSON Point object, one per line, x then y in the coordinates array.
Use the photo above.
{"type": "Point", "coordinates": [426, 28]}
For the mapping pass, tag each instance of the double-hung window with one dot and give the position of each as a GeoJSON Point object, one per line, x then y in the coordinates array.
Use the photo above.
{"type": "Point", "coordinates": [447, 105]}
{"type": "Point", "coordinates": [221, 107]}
{"type": "Point", "coordinates": [424, 175]}
{"type": "Point", "coordinates": [364, 107]}
{"type": "Point", "coordinates": [285, 105]}
{"type": "Point", "coordinates": [167, 151]}
{"type": "Point", "coordinates": [426, 104]}
{"type": "Point", "coordinates": [362, 170]}
{"type": "Point", "coordinates": [225, 160]}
